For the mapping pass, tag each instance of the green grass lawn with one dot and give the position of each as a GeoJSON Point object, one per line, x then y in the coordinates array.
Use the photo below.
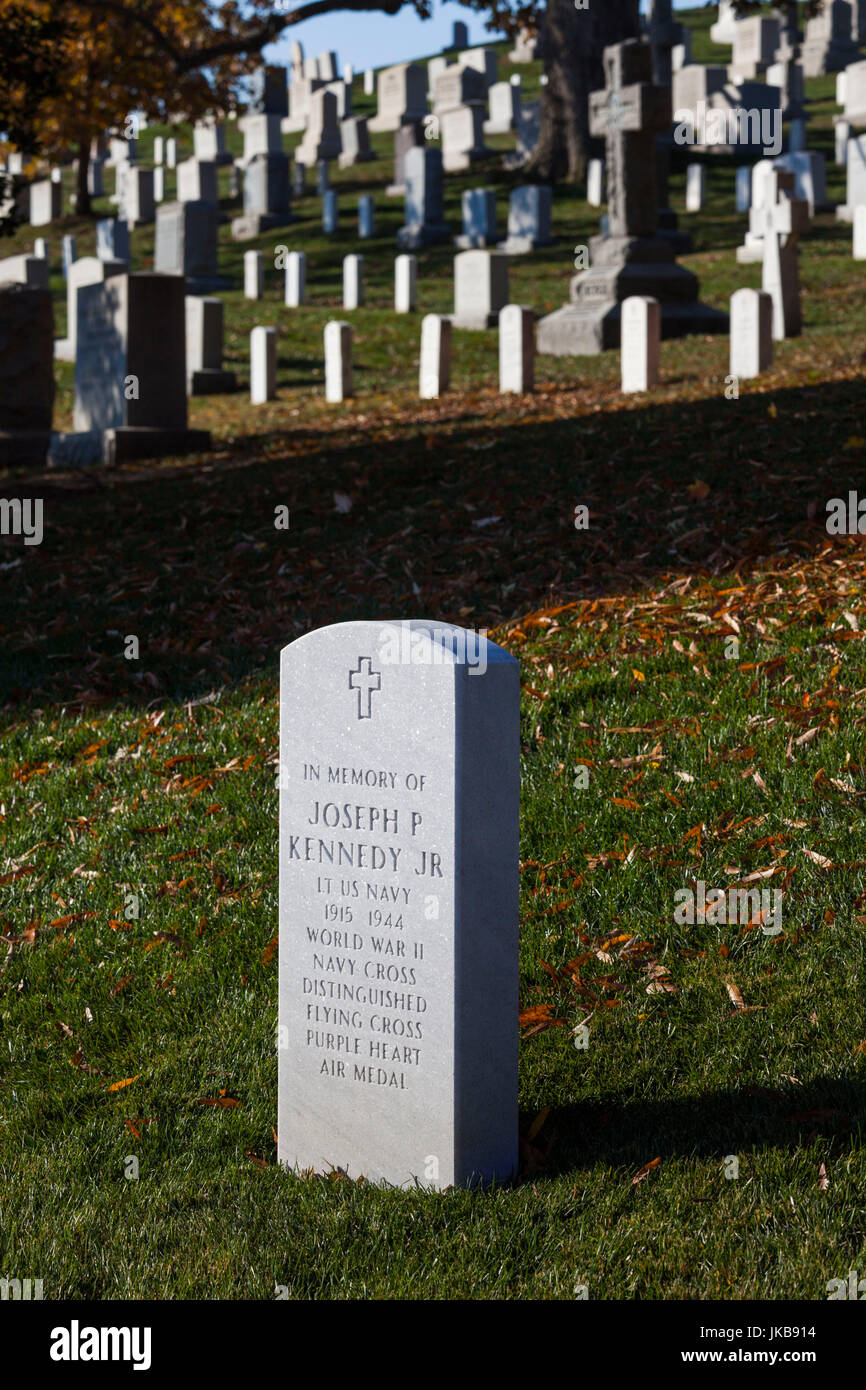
{"type": "Point", "coordinates": [731, 1061]}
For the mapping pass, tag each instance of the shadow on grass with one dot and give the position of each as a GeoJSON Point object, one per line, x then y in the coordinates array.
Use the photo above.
{"type": "Point", "coordinates": [463, 511]}
{"type": "Point", "coordinates": [614, 1131]}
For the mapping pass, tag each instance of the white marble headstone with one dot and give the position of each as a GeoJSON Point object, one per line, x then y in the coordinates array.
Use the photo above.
{"type": "Point", "coordinates": [696, 187]}
{"type": "Point", "coordinates": [751, 332]}
{"type": "Point", "coordinates": [353, 281]}
{"type": "Point", "coordinates": [480, 288]}
{"type": "Point", "coordinates": [263, 365]}
{"type": "Point", "coordinates": [641, 337]}
{"type": "Point", "coordinates": [405, 283]}
{"type": "Point", "coordinates": [399, 784]}
{"type": "Point", "coordinates": [595, 183]}
{"type": "Point", "coordinates": [296, 279]}
{"type": "Point", "coordinates": [435, 370]}
{"type": "Point", "coordinates": [254, 275]}
{"type": "Point", "coordinates": [338, 361]}
{"type": "Point", "coordinates": [516, 349]}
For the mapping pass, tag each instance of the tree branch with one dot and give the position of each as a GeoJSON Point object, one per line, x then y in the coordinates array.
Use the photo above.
{"type": "Point", "coordinates": [254, 40]}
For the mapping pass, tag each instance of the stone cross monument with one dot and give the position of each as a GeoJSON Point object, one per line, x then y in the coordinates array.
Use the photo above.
{"type": "Point", "coordinates": [634, 257]}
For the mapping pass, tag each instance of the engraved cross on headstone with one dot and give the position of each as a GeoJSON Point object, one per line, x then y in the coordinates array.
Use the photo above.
{"type": "Point", "coordinates": [365, 680]}
{"type": "Point", "coordinates": [628, 113]}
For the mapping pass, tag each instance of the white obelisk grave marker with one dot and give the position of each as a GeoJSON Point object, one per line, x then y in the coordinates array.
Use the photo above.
{"type": "Point", "coordinates": [399, 790]}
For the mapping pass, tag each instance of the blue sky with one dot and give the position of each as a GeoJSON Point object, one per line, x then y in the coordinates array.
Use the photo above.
{"type": "Point", "coordinates": [374, 39]}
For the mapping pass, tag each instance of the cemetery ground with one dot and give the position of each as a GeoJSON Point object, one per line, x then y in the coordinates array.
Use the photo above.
{"type": "Point", "coordinates": [153, 1036]}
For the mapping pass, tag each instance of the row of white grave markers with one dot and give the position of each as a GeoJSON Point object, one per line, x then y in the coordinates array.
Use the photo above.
{"type": "Point", "coordinates": [405, 280]}
{"type": "Point", "coordinates": [516, 352]}
{"type": "Point", "coordinates": [751, 345]}
{"type": "Point", "coordinates": [516, 356]}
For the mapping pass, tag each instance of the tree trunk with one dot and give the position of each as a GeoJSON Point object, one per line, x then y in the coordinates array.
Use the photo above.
{"type": "Point", "coordinates": [82, 192]}
{"type": "Point", "coordinates": [574, 40]}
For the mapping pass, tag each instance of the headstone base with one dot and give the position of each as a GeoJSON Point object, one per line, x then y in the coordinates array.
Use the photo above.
{"type": "Point", "coordinates": [413, 238]}
{"type": "Point", "coordinates": [623, 267]}
{"type": "Point", "coordinates": [845, 212]}
{"type": "Point", "coordinates": [132, 442]}
{"type": "Point", "coordinates": [211, 381]}
{"type": "Point", "coordinates": [578, 332]}
{"type": "Point", "coordinates": [24, 446]}
{"type": "Point", "coordinates": [64, 350]}
{"type": "Point", "coordinates": [75, 450]}
{"type": "Point", "coordinates": [395, 190]}
{"type": "Point", "coordinates": [251, 224]}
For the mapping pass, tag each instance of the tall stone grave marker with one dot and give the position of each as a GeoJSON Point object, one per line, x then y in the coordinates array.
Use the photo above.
{"type": "Point", "coordinates": [186, 244]}
{"type": "Point", "coordinates": [402, 97]}
{"type": "Point", "coordinates": [112, 239]}
{"type": "Point", "coordinates": [322, 138]}
{"type": "Point", "coordinates": [26, 373]}
{"type": "Point", "coordinates": [827, 45]}
{"type": "Point", "coordinates": [504, 99]}
{"type": "Point", "coordinates": [26, 270]}
{"type": "Point", "coordinates": [46, 202]}
{"type": "Point", "coordinates": [197, 181]}
{"type": "Point", "coordinates": [405, 139]}
{"type": "Point", "coordinates": [269, 93]}
{"type": "Point", "coordinates": [355, 140]}
{"type": "Point", "coordinates": [424, 223]}
{"type": "Point", "coordinates": [783, 223]}
{"type": "Point", "coordinates": [480, 288]}
{"type": "Point", "coordinates": [529, 213]}
{"type": "Point", "coordinates": [267, 202]}
{"type": "Point", "coordinates": [484, 60]}
{"type": "Point", "coordinates": [205, 374]}
{"type": "Point", "coordinates": [478, 208]}
{"type": "Point", "coordinates": [634, 256]}
{"type": "Point", "coordinates": [209, 142]}
{"type": "Point", "coordinates": [755, 42]}
{"type": "Point", "coordinates": [89, 270]}
{"type": "Point", "coordinates": [130, 367]}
